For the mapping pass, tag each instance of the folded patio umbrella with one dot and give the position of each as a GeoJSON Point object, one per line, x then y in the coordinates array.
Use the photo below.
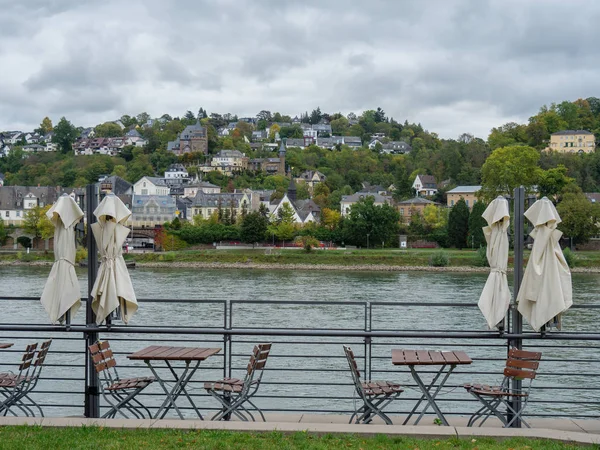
{"type": "Point", "coordinates": [495, 297]}
{"type": "Point", "coordinates": [112, 287]}
{"type": "Point", "coordinates": [546, 287]}
{"type": "Point", "coordinates": [61, 292]}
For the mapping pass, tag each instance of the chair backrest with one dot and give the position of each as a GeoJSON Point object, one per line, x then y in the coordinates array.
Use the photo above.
{"type": "Point", "coordinates": [104, 360]}
{"type": "Point", "coordinates": [41, 357]}
{"type": "Point", "coordinates": [257, 363]}
{"type": "Point", "coordinates": [522, 364]}
{"type": "Point", "coordinates": [353, 368]}
{"type": "Point", "coordinates": [27, 360]}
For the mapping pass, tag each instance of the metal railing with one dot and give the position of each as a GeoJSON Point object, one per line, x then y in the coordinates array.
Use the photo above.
{"type": "Point", "coordinates": [307, 370]}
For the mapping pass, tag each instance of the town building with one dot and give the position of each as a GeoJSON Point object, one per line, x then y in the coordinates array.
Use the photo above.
{"type": "Point", "coordinates": [229, 162]}
{"type": "Point", "coordinates": [176, 173]}
{"type": "Point", "coordinates": [190, 190]}
{"type": "Point", "coordinates": [271, 166]}
{"type": "Point", "coordinates": [311, 178]}
{"type": "Point", "coordinates": [116, 185]}
{"type": "Point", "coordinates": [391, 146]}
{"type": "Point", "coordinates": [151, 186]}
{"type": "Point", "coordinates": [16, 201]}
{"type": "Point", "coordinates": [147, 211]}
{"type": "Point", "coordinates": [225, 204]}
{"type": "Point", "coordinates": [305, 211]}
{"type": "Point", "coordinates": [468, 193]}
{"type": "Point", "coordinates": [192, 139]}
{"type": "Point", "coordinates": [412, 207]}
{"type": "Point", "coordinates": [349, 200]}
{"type": "Point", "coordinates": [572, 141]}
{"type": "Point", "coordinates": [425, 185]}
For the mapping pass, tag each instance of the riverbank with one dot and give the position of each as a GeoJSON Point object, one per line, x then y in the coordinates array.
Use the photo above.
{"type": "Point", "coordinates": [349, 260]}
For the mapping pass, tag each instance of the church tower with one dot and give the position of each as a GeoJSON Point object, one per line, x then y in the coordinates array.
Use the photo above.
{"type": "Point", "coordinates": [291, 192]}
{"type": "Point", "coordinates": [281, 170]}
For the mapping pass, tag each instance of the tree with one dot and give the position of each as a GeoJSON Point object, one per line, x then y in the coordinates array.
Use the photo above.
{"type": "Point", "coordinates": [508, 168]}
{"type": "Point", "coordinates": [273, 131]}
{"type": "Point", "coordinates": [3, 233]}
{"type": "Point", "coordinates": [476, 223]}
{"type": "Point", "coordinates": [434, 216]}
{"type": "Point", "coordinates": [330, 218]}
{"type": "Point", "coordinates": [458, 224]}
{"type": "Point", "coordinates": [65, 134]}
{"type": "Point", "coordinates": [315, 116]}
{"type": "Point", "coordinates": [108, 129]}
{"type": "Point", "coordinates": [254, 228]}
{"type": "Point", "coordinates": [142, 118]}
{"type": "Point", "coordinates": [45, 126]}
{"type": "Point", "coordinates": [37, 223]}
{"type": "Point", "coordinates": [366, 221]}
{"type": "Point", "coordinates": [553, 181]}
{"type": "Point", "coordinates": [579, 215]}
{"type": "Point", "coordinates": [127, 120]}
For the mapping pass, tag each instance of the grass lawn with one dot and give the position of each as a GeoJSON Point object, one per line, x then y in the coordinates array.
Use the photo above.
{"type": "Point", "coordinates": [98, 438]}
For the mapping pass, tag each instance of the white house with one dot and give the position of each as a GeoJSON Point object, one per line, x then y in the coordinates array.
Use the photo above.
{"type": "Point", "coordinates": [349, 200]}
{"type": "Point", "coordinates": [425, 185]}
{"type": "Point", "coordinates": [151, 186]}
{"type": "Point", "coordinates": [176, 171]}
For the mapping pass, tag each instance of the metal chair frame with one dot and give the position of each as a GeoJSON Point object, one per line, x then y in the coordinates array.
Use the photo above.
{"type": "Point", "coordinates": [16, 388]}
{"type": "Point", "coordinates": [520, 365]}
{"type": "Point", "coordinates": [234, 394]}
{"type": "Point", "coordinates": [118, 392]}
{"type": "Point", "coordinates": [375, 395]}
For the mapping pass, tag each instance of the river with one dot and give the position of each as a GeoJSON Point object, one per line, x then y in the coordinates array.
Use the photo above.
{"type": "Point", "coordinates": [310, 361]}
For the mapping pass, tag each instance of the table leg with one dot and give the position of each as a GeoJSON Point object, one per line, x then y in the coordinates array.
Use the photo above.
{"type": "Point", "coordinates": [437, 391]}
{"type": "Point", "coordinates": [435, 378]}
{"type": "Point", "coordinates": [166, 405]}
{"type": "Point", "coordinates": [185, 379]}
{"type": "Point", "coordinates": [427, 396]}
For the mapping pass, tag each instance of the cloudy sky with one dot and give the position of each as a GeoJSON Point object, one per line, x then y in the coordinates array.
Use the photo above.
{"type": "Point", "coordinates": [455, 66]}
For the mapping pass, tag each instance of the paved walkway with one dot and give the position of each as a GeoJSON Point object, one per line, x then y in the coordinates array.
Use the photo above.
{"type": "Point", "coordinates": [568, 430]}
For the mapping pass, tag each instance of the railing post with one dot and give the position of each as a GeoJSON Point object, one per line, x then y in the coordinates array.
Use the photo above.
{"type": "Point", "coordinates": [517, 321]}
{"type": "Point", "coordinates": [367, 341]}
{"type": "Point", "coordinates": [92, 394]}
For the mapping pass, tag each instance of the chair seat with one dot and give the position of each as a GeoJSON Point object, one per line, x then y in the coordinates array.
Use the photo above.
{"type": "Point", "coordinates": [227, 385]}
{"type": "Point", "coordinates": [8, 380]}
{"type": "Point", "coordinates": [374, 388]}
{"type": "Point", "coordinates": [492, 391]}
{"type": "Point", "coordinates": [130, 383]}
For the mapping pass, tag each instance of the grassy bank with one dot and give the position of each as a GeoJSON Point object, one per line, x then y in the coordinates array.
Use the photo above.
{"type": "Point", "coordinates": [341, 258]}
{"type": "Point", "coordinates": [98, 438]}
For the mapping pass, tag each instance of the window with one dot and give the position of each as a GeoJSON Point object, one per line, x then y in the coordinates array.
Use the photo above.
{"type": "Point", "coordinates": [467, 202]}
{"type": "Point", "coordinates": [401, 211]}
{"type": "Point", "coordinates": [18, 213]}
{"type": "Point", "coordinates": [451, 202]}
{"type": "Point", "coordinates": [144, 191]}
{"type": "Point", "coordinates": [7, 214]}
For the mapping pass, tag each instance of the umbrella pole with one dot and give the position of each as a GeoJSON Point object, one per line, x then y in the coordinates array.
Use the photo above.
{"type": "Point", "coordinates": [92, 394]}
{"type": "Point", "coordinates": [516, 319]}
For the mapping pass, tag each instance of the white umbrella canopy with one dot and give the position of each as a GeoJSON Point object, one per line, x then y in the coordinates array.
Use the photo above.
{"type": "Point", "coordinates": [546, 290]}
{"type": "Point", "coordinates": [495, 297]}
{"type": "Point", "coordinates": [61, 291]}
{"type": "Point", "coordinates": [112, 287]}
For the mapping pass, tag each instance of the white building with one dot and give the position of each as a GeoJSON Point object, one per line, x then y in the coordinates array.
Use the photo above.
{"type": "Point", "coordinates": [349, 200]}
{"type": "Point", "coordinates": [151, 186]}
{"type": "Point", "coordinates": [425, 185]}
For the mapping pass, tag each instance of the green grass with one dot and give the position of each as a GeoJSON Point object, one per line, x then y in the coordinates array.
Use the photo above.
{"type": "Point", "coordinates": [98, 438]}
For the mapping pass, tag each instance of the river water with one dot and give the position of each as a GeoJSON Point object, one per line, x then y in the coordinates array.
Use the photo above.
{"type": "Point", "coordinates": [315, 367]}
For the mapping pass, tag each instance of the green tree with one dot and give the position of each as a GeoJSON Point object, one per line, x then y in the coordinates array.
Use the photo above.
{"type": "Point", "coordinates": [65, 134]}
{"type": "Point", "coordinates": [508, 168]}
{"type": "Point", "coordinates": [458, 224]}
{"type": "Point", "coordinates": [579, 215]}
{"type": "Point", "coordinates": [37, 223]}
{"type": "Point", "coordinates": [378, 224]}
{"type": "Point", "coordinates": [108, 129]}
{"type": "Point", "coordinates": [3, 233]}
{"type": "Point", "coordinates": [476, 223]}
{"type": "Point", "coordinates": [553, 181]}
{"type": "Point", "coordinates": [254, 228]}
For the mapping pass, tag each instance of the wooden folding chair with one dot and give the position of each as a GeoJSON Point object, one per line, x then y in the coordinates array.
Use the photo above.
{"type": "Point", "coordinates": [375, 395]}
{"type": "Point", "coordinates": [118, 392]}
{"type": "Point", "coordinates": [520, 365]}
{"type": "Point", "coordinates": [15, 388]}
{"type": "Point", "coordinates": [234, 393]}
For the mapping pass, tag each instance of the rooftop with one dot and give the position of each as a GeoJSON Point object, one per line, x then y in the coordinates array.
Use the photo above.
{"type": "Point", "coordinates": [464, 190]}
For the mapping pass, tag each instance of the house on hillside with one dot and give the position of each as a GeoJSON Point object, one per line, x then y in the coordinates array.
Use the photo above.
{"type": "Point", "coordinates": [572, 141]}
{"type": "Point", "coordinates": [411, 207]}
{"type": "Point", "coordinates": [425, 185]}
{"type": "Point", "coordinates": [271, 166]}
{"type": "Point", "coordinates": [151, 186]}
{"type": "Point", "coordinates": [311, 178]}
{"type": "Point", "coordinates": [190, 190]}
{"type": "Point", "coordinates": [305, 211]}
{"type": "Point", "coordinates": [390, 147]}
{"type": "Point", "coordinates": [151, 210]}
{"type": "Point", "coordinates": [231, 205]}
{"type": "Point", "coordinates": [349, 200]}
{"type": "Point", "coordinates": [116, 185]}
{"type": "Point", "coordinates": [192, 139]}
{"type": "Point", "coordinates": [468, 193]}
{"type": "Point", "coordinates": [16, 201]}
{"type": "Point", "coordinates": [229, 162]}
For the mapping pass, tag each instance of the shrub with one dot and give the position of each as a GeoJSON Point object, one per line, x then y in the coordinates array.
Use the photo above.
{"type": "Point", "coordinates": [24, 241]}
{"type": "Point", "coordinates": [26, 257]}
{"type": "Point", "coordinates": [570, 257]}
{"type": "Point", "coordinates": [481, 257]}
{"type": "Point", "coordinates": [169, 256]}
{"type": "Point", "coordinates": [81, 254]}
{"type": "Point", "coordinates": [439, 259]}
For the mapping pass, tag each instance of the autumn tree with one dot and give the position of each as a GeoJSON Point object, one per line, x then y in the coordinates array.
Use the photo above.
{"type": "Point", "coordinates": [45, 127]}
{"type": "Point", "coordinates": [37, 223]}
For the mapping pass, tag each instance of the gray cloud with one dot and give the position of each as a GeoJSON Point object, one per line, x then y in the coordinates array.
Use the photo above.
{"type": "Point", "coordinates": [454, 65]}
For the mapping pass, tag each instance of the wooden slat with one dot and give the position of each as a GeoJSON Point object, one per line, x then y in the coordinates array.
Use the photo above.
{"type": "Point", "coordinates": [410, 356]}
{"type": "Point", "coordinates": [450, 357]}
{"type": "Point", "coordinates": [524, 354]}
{"type": "Point", "coordinates": [397, 357]}
{"type": "Point", "coordinates": [167, 353]}
{"type": "Point", "coordinates": [510, 372]}
{"type": "Point", "coordinates": [522, 364]}
{"type": "Point", "coordinates": [437, 358]}
{"type": "Point", "coordinates": [104, 345]}
{"type": "Point", "coordinates": [5, 345]}
{"type": "Point", "coordinates": [424, 357]}
{"type": "Point", "coordinates": [463, 358]}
